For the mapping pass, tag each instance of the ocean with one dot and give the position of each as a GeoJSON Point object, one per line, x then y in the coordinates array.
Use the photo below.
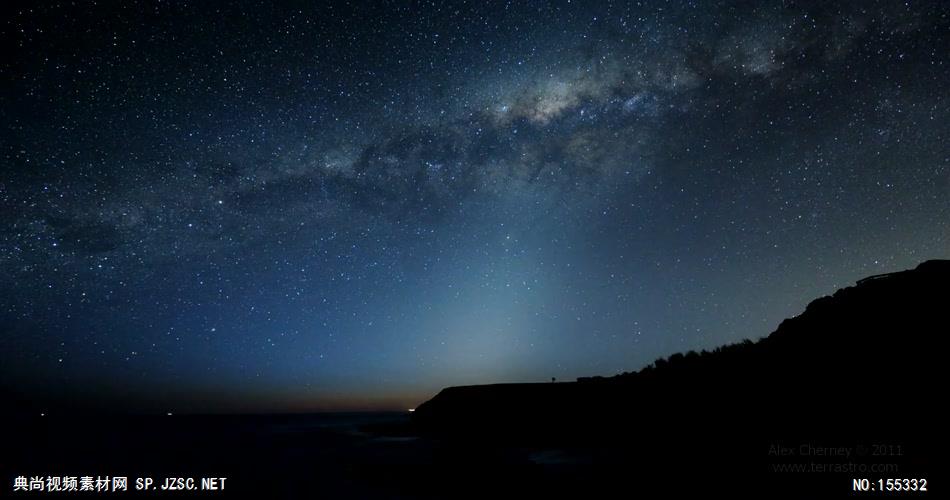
{"type": "Point", "coordinates": [332, 455]}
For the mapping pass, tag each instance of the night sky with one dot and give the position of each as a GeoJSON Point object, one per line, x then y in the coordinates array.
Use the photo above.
{"type": "Point", "coordinates": [240, 206]}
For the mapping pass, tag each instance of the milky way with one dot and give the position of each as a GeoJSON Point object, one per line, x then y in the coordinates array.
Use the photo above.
{"type": "Point", "coordinates": [271, 208]}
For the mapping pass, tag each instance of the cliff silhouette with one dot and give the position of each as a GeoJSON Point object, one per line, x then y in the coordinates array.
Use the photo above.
{"type": "Point", "coordinates": [856, 369]}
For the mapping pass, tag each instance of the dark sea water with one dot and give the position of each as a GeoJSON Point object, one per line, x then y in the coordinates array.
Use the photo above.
{"type": "Point", "coordinates": [377, 456]}
{"type": "Point", "coordinates": [341, 455]}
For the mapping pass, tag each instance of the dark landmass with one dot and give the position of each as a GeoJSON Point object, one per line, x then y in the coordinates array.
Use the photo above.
{"type": "Point", "coordinates": [855, 370]}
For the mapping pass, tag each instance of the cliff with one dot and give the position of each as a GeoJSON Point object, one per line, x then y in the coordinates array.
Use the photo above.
{"type": "Point", "coordinates": [857, 360]}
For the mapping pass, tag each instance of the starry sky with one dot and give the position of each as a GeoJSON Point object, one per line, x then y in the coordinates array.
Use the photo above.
{"type": "Point", "coordinates": [256, 206]}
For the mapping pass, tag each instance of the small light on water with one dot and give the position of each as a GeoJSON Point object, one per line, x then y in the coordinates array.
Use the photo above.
{"type": "Point", "coordinates": [411, 410]}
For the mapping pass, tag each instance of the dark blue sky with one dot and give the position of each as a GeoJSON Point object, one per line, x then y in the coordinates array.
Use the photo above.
{"type": "Point", "coordinates": [257, 207]}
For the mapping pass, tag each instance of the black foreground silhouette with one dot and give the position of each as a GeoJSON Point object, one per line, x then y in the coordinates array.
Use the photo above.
{"type": "Point", "coordinates": [848, 389]}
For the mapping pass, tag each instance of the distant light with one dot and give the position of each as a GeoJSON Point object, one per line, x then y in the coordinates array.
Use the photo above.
{"type": "Point", "coordinates": [43, 414]}
{"type": "Point", "coordinates": [411, 410]}
{"type": "Point", "coordinates": [169, 414]}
